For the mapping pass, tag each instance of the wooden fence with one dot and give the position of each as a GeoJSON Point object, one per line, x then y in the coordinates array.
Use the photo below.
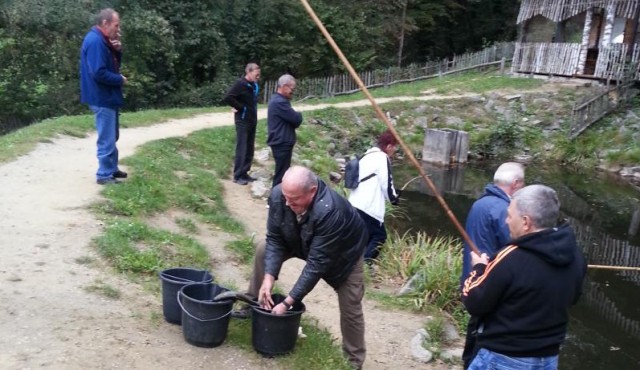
{"type": "Point", "coordinates": [343, 84]}
{"type": "Point", "coordinates": [585, 114]}
{"type": "Point", "coordinates": [546, 58]}
{"type": "Point", "coordinates": [563, 59]}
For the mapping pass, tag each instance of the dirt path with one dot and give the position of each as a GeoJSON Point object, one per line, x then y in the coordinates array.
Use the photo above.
{"type": "Point", "coordinates": [49, 320]}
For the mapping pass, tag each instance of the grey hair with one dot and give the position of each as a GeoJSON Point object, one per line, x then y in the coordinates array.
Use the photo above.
{"type": "Point", "coordinates": [508, 172]}
{"type": "Point", "coordinates": [540, 203]}
{"type": "Point", "coordinates": [251, 67]}
{"type": "Point", "coordinates": [105, 15]}
{"type": "Point", "coordinates": [286, 79]}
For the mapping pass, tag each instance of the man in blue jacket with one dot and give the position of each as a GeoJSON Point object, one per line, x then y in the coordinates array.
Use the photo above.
{"type": "Point", "coordinates": [521, 296]}
{"type": "Point", "coordinates": [101, 89]}
{"type": "Point", "coordinates": [282, 122]}
{"type": "Point", "coordinates": [487, 228]}
{"type": "Point", "coordinates": [243, 99]}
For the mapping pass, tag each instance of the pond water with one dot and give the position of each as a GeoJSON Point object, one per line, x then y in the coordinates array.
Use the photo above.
{"type": "Point", "coordinates": [604, 331]}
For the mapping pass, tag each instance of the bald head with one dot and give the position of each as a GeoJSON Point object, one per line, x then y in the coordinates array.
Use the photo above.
{"type": "Point", "coordinates": [299, 186]}
{"type": "Point", "coordinates": [299, 177]}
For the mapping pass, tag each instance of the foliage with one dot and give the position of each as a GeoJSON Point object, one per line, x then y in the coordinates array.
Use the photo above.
{"type": "Point", "coordinates": [187, 53]}
{"type": "Point", "coordinates": [434, 263]}
{"type": "Point", "coordinates": [499, 140]}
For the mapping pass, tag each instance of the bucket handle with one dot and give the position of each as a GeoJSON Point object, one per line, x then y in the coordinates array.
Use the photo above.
{"type": "Point", "coordinates": [197, 318]}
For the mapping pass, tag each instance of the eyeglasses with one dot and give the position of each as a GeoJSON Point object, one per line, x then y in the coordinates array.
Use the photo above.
{"type": "Point", "coordinates": [292, 88]}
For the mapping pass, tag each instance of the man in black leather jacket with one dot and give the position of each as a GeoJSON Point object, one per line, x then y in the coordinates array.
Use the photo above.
{"type": "Point", "coordinates": [310, 221]}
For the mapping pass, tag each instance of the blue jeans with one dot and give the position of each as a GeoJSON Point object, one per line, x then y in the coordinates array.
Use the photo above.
{"type": "Point", "coordinates": [107, 127]}
{"type": "Point", "coordinates": [488, 360]}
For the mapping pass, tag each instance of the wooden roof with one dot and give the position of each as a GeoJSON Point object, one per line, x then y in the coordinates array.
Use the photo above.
{"type": "Point", "coordinates": [559, 10]}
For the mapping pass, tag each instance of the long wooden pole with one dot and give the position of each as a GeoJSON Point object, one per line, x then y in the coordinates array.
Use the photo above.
{"type": "Point", "coordinates": [384, 119]}
{"type": "Point", "coordinates": [607, 267]}
{"type": "Point", "coordinates": [406, 149]}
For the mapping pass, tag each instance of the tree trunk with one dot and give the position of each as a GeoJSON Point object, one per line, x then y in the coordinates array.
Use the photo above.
{"type": "Point", "coordinates": [588, 18]}
{"type": "Point", "coordinates": [608, 27]}
{"type": "Point", "coordinates": [402, 27]}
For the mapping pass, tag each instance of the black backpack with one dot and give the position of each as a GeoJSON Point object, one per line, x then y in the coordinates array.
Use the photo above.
{"type": "Point", "coordinates": [352, 173]}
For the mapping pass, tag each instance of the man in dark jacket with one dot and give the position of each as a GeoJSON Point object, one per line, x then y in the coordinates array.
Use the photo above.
{"type": "Point", "coordinates": [243, 99]}
{"type": "Point", "coordinates": [282, 122]}
{"type": "Point", "coordinates": [310, 221]}
{"type": "Point", "coordinates": [522, 295]}
{"type": "Point", "coordinates": [101, 89]}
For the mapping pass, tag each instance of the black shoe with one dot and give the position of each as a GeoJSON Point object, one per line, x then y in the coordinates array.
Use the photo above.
{"type": "Point", "coordinates": [107, 181]}
{"type": "Point", "coordinates": [120, 174]}
{"type": "Point", "coordinates": [241, 181]}
{"type": "Point", "coordinates": [242, 313]}
{"type": "Point", "coordinates": [249, 178]}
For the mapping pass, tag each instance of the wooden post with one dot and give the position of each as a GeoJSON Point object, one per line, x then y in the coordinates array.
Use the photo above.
{"type": "Point", "coordinates": [584, 45]}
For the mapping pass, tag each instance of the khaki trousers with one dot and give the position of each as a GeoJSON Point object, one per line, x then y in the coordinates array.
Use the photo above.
{"type": "Point", "coordinates": [350, 294]}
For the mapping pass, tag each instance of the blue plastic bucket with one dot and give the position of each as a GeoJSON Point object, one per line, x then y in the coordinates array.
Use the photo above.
{"type": "Point", "coordinates": [172, 281]}
{"type": "Point", "coordinates": [204, 323]}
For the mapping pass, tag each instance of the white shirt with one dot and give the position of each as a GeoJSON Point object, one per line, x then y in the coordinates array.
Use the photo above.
{"type": "Point", "coordinates": [371, 194]}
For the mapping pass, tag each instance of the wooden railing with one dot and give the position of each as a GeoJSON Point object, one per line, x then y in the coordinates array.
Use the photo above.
{"type": "Point", "coordinates": [343, 84]}
{"type": "Point", "coordinates": [585, 114]}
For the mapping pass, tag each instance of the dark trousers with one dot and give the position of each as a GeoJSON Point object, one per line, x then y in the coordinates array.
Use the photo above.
{"type": "Point", "coordinates": [282, 155]}
{"type": "Point", "coordinates": [245, 140]}
{"type": "Point", "coordinates": [377, 236]}
{"type": "Point", "coordinates": [470, 347]}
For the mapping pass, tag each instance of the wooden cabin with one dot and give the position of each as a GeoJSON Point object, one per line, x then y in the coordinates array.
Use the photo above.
{"type": "Point", "coordinates": [579, 38]}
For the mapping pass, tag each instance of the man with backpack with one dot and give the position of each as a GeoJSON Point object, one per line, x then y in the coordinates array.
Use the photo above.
{"type": "Point", "coordinates": [373, 188]}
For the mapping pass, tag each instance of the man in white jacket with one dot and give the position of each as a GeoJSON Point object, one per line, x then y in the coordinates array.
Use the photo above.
{"type": "Point", "coordinates": [372, 192]}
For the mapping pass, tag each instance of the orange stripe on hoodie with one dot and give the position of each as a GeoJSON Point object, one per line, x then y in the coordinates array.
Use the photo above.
{"type": "Point", "coordinates": [470, 284]}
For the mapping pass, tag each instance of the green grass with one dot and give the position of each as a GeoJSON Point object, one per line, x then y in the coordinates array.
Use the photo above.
{"type": "Point", "coordinates": [470, 82]}
{"type": "Point", "coordinates": [318, 351]}
{"type": "Point", "coordinates": [187, 225]}
{"type": "Point", "coordinates": [133, 247]}
{"type": "Point", "coordinates": [104, 289]}
{"type": "Point", "coordinates": [22, 141]}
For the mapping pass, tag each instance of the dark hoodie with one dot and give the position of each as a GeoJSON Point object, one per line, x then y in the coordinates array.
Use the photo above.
{"type": "Point", "coordinates": [522, 297]}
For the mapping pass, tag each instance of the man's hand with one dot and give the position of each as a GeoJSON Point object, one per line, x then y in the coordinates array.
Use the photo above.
{"type": "Point", "coordinates": [124, 80]}
{"type": "Point", "coordinates": [279, 309]}
{"type": "Point", "coordinates": [476, 259]}
{"type": "Point", "coordinates": [264, 294]}
{"type": "Point", "coordinates": [234, 110]}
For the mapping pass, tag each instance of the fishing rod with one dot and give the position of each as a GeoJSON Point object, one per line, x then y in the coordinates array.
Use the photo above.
{"type": "Point", "coordinates": [384, 119]}
{"type": "Point", "coordinates": [405, 148]}
{"type": "Point", "coordinates": [608, 267]}
{"type": "Point", "coordinates": [409, 182]}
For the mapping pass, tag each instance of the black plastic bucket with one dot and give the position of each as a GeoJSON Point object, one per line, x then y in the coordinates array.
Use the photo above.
{"type": "Point", "coordinates": [274, 335]}
{"type": "Point", "coordinates": [174, 279]}
{"type": "Point", "coordinates": [204, 323]}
